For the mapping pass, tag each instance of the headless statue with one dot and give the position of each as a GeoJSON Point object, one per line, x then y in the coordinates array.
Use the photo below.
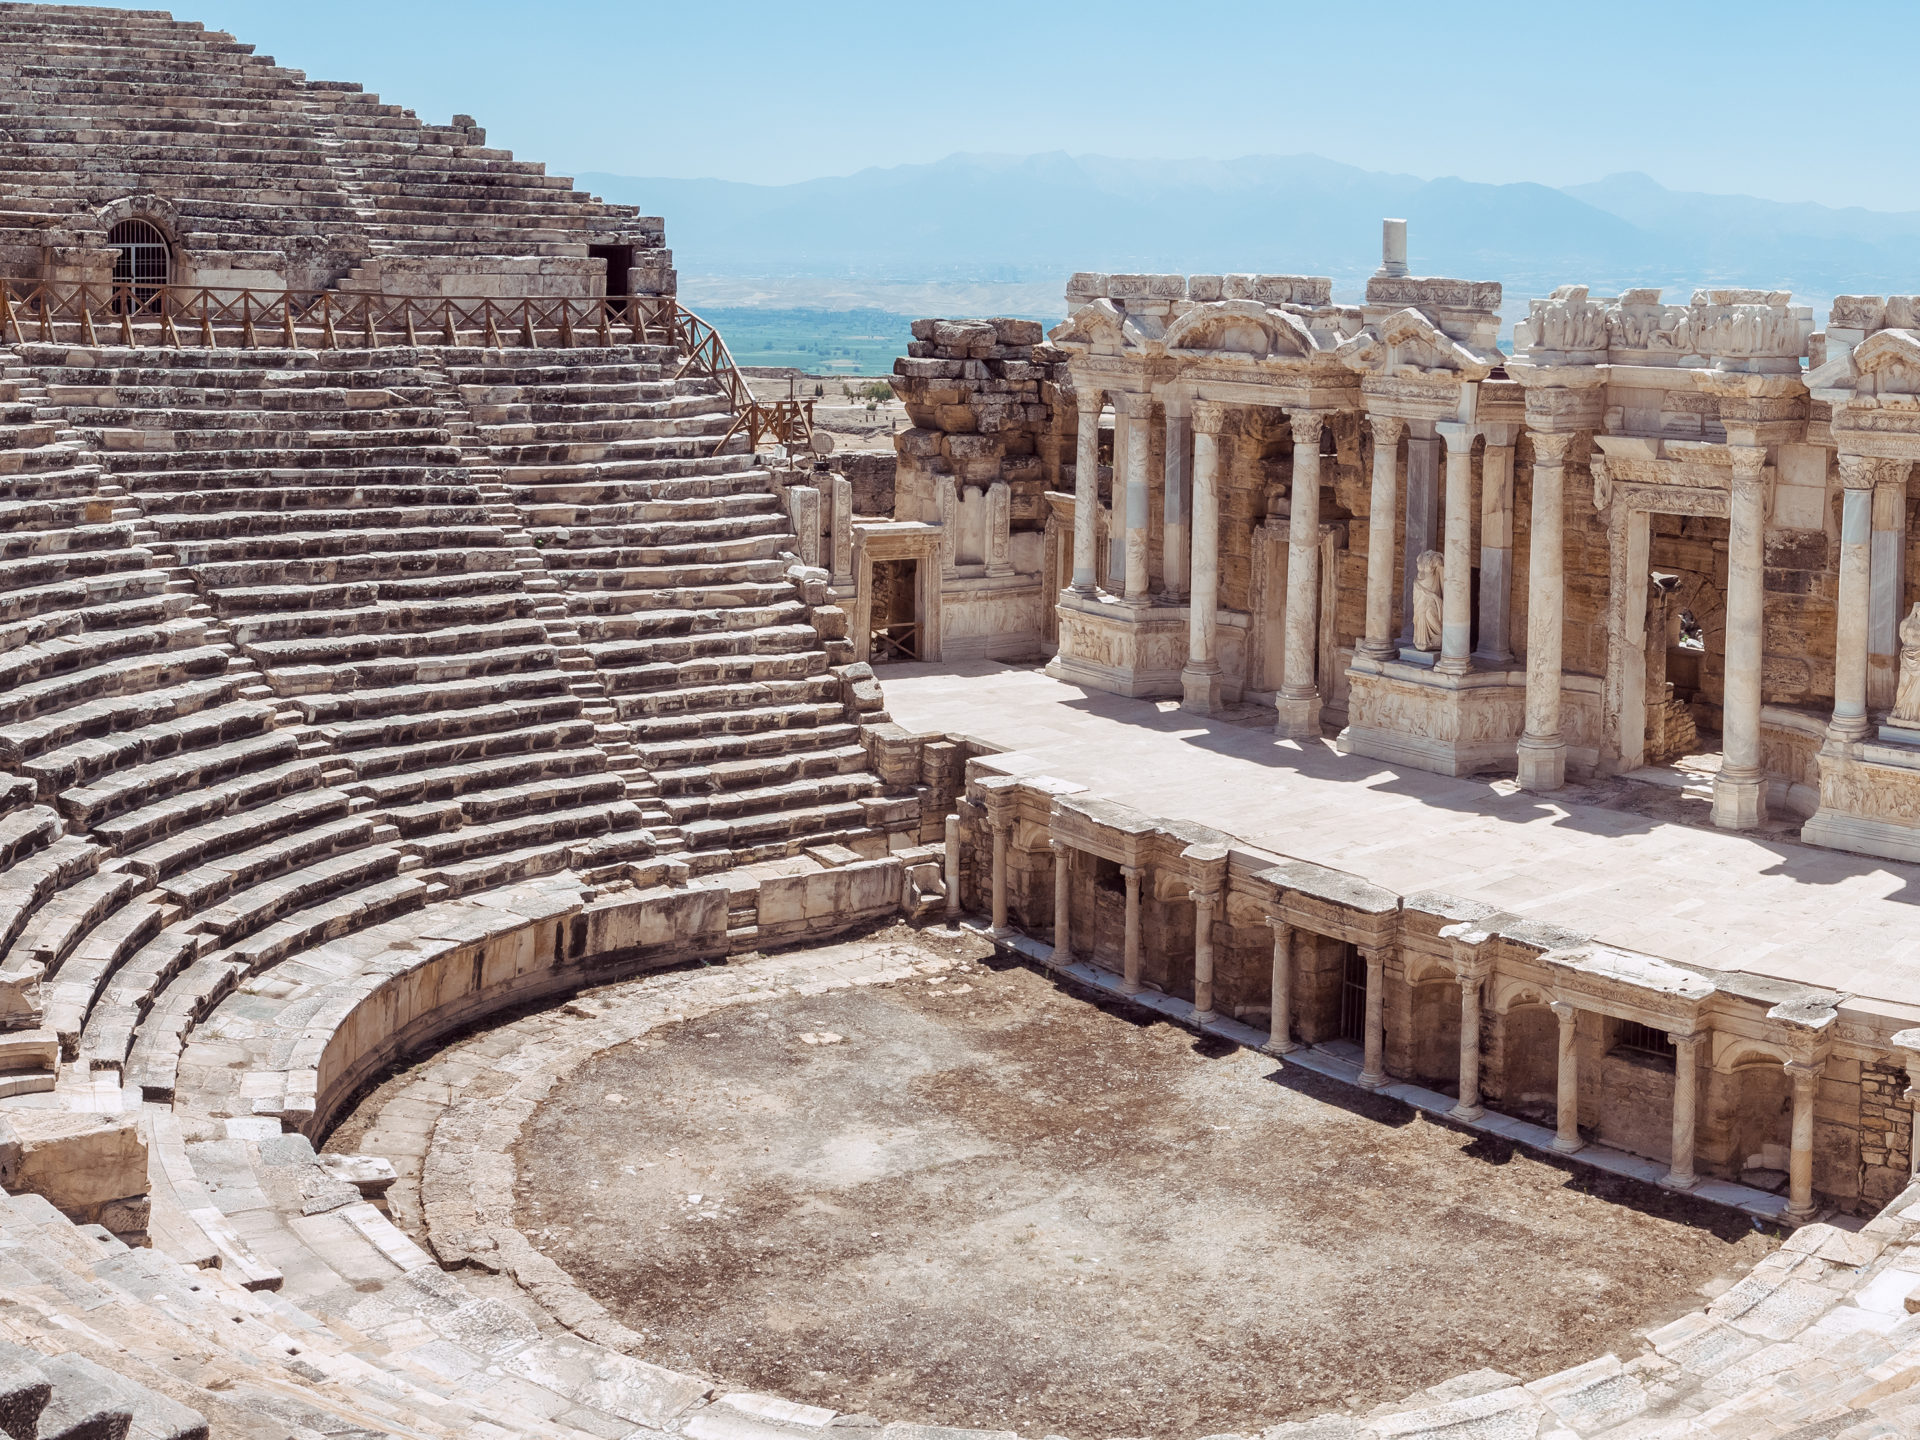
{"type": "Point", "coordinates": [1428, 576]}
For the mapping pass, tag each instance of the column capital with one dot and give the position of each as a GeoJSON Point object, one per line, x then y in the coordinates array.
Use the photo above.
{"type": "Point", "coordinates": [1132, 872]}
{"type": "Point", "coordinates": [1387, 429]}
{"type": "Point", "coordinates": [1307, 425]}
{"type": "Point", "coordinates": [1279, 922]}
{"type": "Point", "coordinates": [1210, 416]}
{"type": "Point", "coordinates": [1469, 979]}
{"type": "Point", "coordinates": [1564, 1010]}
{"type": "Point", "coordinates": [1203, 897]}
{"type": "Point", "coordinates": [1458, 434]}
{"type": "Point", "coordinates": [1748, 463]}
{"type": "Point", "coordinates": [1134, 404]}
{"type": "Point", "coordinates": [1089, 401]}
{"type": "Point", "coordinates": [1686, 1037]}
{"type": "Point", "coordinates": [1866, 472]}
{"type": "Point", "coordinates": [1374, 954]}
{"type": "Point", "coordinates": [1804, 1072]}
{"type": "Point", "coordinates": [1062, 848]}
{"type": "Point", "coordinates": [1550, 446]}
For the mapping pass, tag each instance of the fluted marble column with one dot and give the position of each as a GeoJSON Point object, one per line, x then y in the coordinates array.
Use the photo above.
{"type": "Point", "coordinates": [1280, 1018]}
{"type": "Point", "coordinates": [1383, 503]}
{"type": "Point", "coordinates": [1806, 1081]}
{"type": "Point", "coordinates": [1542, 749]}
{"type": "Point", "coordinates": [1086, 492]}
{"type": "Point", "coordinates": [1203, 905]}
{"type": "Point", "coordinates": [1566, 1138]}
{"type": "Point", "coordinates": [1200, 679]}
{"type": "Point", "coordinates": [1495, 649]}
{"type": "Point", "coordinates": [1062, 901]}
{"type": "Point", "coordinates": [1298, 701]}
{"type": "Point", "coordinates": [1456, 582]}
{"type": "Point", "coordinates": [1373, 1066]}
{"type": "Point", "coordinates": [1685, 1109]}
{"type": "Point", "coordinates": [1174, 508]}
{"type": "Point", "coordinates": [1740, 790]}
{"type": "Point", "coordinates": [1857, 476]}
{"type": "Point", "coordinates": [1130, 959]}
{"type": "Point", "coordinates": [1469, 1106]}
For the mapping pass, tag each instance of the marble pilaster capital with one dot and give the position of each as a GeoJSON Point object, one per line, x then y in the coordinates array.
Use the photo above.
{"type": "Point", "coordinates": [1133, 404]}
{"type": "Point", "coordinates": [1210, 416]}
{"type": "Point", "coordinates": [1550, 446]}
{"type": "Point", "coordinates": [1307, 425]}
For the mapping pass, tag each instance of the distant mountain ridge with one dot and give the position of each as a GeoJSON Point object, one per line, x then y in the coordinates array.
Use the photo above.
{"type": "Point", "coordinates": [1026, 222]}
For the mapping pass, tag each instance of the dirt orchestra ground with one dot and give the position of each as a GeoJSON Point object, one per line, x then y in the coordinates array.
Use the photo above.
{"type": "Point", "coordinates": [980, 1201]}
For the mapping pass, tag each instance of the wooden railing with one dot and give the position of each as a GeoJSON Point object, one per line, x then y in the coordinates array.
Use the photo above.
{"type": "Point", "coordinates": [185, 316]}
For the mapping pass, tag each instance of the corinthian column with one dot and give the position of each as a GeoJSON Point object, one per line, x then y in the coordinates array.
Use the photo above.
{"type": "Point", "coordinates": [1200, 680]}
{"type": "Point", "coordinates": [1739, 790]}
{"type": "Point", "coordinates": [1174, 508]}
{"type": "Point", "coordinates": [1857, 475]}
{"type": "Point", "coordinates": [1133, 411]}
{"type": "Point", "coordinates": [1086, 491]}
{"type": "Point", "coordinates": [1543, 752]}
{"type": "Point", "coordinates": [1456, 583]}
{"type": "Point", "coordinates": [1385, 500]}
{"type": "Point", "coordinates": [1298, 702]}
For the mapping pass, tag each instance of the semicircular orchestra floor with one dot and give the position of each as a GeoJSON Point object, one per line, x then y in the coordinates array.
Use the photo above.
{"type": "Point", "coordinates": [969, 1198]}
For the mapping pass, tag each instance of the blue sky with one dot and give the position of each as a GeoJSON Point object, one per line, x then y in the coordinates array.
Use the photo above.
{"type": "Point", "coordinates": [1786, 101]}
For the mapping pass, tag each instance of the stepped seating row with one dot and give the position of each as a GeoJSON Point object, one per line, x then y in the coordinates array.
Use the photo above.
{"type": "Point", "coordinates": [199, 791]}
{"type": "Point", "coordinates": [675, 564]}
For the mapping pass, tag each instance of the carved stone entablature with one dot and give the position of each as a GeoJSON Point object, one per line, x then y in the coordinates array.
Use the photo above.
{"type": "Point", "coordinates": [1695, 484]}
{"type": "Point", "coordinates": [1561, 398]}
{"type": "Point", "coordinates": [1434, 293]}
{"type": "Point", "coordinates": [1744, 331]}
{"type": "Point", "coordinates": [1756, 331]}
{"type": "Point", "coordinates": [1564, 329]}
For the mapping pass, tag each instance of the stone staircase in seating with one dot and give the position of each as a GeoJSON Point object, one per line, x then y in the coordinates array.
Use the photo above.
{"type": "Point", "coordinates": [678, 569]}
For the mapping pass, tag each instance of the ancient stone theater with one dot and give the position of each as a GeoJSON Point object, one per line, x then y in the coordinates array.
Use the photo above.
{"type": "Point", "coordinates": [430, 677]}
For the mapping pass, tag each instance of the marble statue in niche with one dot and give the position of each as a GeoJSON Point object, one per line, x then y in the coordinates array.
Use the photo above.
{"type": "Point", "coordinates": [1428, 576]}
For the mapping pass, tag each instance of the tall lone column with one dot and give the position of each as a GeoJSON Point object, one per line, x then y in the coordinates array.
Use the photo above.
{"type": "Point", "coordinates": [1495, 650]}
{"type": "Point", "coordinates": [1298, 703]}
{"type": "Point", "coordinates": [1130, 961]}
{"type": "Point", "coordinates": [1469, 1107]}
{"type": "Point", "coordinates": [1200, 680]}
{"type": "Point", "coordinates": [1543, 752]}
{"type": "Point", "coordinates": [1456, 583]}
{"type": "Point", "coordinates": [1373, 1067]}
{"type": "Point", "coordinates": [1174, 508]}
{"type": "Point", "coordinates": [1685, 1106]}
{"type": "Point", "coordinates": [1379, 642]}
{"type": "Point", "coordinates": [1062, 901]}
{"type": "Point", "coordinates": [1131, 412]}
{"type": "Point", "coordinates": [1203, 903]}
{"type": "Point", "coordinates": [953, 872]}
{"type": "Point", "coordinates": [999, 917]}
{"type": "Point", "coordinates": [1280, 1019]}
{"type": "Point", "coordinates": [1739, 790]}
{"type": "Point", "coordinates": [1566, 1137]}
{"type": "Point", "coordinates": [1086, 492]}
{"type": "Point", "coordinates": [1806, 1079]}
{"type": "Point", "coordinates": [1849, 723]}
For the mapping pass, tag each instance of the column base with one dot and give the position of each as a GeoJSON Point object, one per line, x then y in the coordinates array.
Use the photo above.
{"type": "Point", "coordinates": [1568, 1147]}
{"type": "Point", "coordinates": [1131, 987]}
{"type": "Point", "coordinates": [1205, 1017]}
{"type": "Point", "coordinates": [1842, 735]}
{"type": "Point", "coordinates": [1542, 763]}
{"type": "Point", "coordinates": [1675, 1181]}
{"type": "Point", "coordinates": [1378, 649]}
{"type": "Point", "coordinates": [1369, 1081]}
{"type": "Point", "coordinates": [1200, 690]}
{"type": "Point", "coordinates": [1466, 1113]}
{"type": "Point", "coordinates": [1173, 598]}
{"type": "Point", "coordinates": [1280, 1047]}
{"type": "Point", "coordinates": [1298, 716]}
{"type": "Point", "coordinates": [1739, 800]}
{"type": "Point", "coordinates": [1061, 957]}
{"type": "Point", "coordinates": [1801, 1217]}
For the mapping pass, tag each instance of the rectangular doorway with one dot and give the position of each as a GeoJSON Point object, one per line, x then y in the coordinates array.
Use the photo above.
{"type": "Point", "coordinates": [619, 260]}
{"type": "Point", "coordinates": [894, 626]}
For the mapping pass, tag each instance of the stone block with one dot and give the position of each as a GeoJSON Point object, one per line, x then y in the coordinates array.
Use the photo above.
{"type": "Point", "coordinates": [80, 1163]}
{"type": "Point", "coordinates": [1202, 289]}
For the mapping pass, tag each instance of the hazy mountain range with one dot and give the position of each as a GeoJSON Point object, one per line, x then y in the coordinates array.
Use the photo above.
{"type": "Point", "coordinates": [983, 232]}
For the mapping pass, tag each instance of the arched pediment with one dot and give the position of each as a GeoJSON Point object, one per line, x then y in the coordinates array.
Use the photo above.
{"type": "Point", "coordinates": [1408, 344]}
{"type": "Point", "coordinates": [1240, 329]}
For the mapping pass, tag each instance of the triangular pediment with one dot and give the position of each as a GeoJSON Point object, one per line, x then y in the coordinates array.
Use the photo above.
{"type": "Point", "coordinates": [1406, 344]}
{"type": "Point", "coordinates": [1098, 325]}
{"type": "Point", "coordinates": [1887, 362]}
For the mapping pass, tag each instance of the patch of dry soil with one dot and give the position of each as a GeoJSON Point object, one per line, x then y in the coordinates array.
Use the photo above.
{"type": "Point", "coordinates": [984, 1202]}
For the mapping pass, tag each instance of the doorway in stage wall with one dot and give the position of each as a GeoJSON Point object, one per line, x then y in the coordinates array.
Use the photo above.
{"type": "Point", "coordinates": [1685, 624]}
{"type": "Point", "coordinates": [894, 629]}
{"type": "Point", "coordinates": [142, 266]}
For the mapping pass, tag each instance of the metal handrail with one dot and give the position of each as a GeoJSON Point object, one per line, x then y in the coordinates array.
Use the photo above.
{"type": "Point", "coordinates": [210, 316]}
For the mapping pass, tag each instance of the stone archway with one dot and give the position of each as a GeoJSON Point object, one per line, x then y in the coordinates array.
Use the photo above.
{"type": "Point", "coordinates": [1530, 1060]}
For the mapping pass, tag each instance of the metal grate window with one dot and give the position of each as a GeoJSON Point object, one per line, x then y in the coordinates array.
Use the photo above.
{"type": "Point", "coordinates": [1353, 996]}
{"type": "Point", "coordinates": [1642, 1040]}
{"type": "Point", "coordinates": [144, 264]}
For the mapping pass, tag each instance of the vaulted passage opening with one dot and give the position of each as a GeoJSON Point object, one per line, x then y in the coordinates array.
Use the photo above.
{"type": "Point", "coordinates": [143, 266]}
